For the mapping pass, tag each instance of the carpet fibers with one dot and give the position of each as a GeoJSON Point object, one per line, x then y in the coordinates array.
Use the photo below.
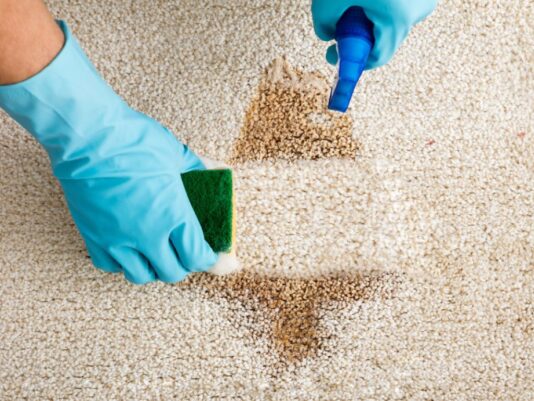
{"type": "Point", "coordinates": [388, 253]}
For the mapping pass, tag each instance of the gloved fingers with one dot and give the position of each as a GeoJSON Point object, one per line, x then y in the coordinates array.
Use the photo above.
{"type": "Point", "coordinates": [190, 161]}
{"type": "Point", "coordinates": [331, 54]}
{"type": "Point", "coordinates": [193, 251]}
{"type": "Point", "coordinates": [166, 264]}
{"type": "Point", "coordinates": [388, 37]}
{"type": "Point", "coordinates": [391, 29]}
{"type": "Point", "coordinates": [391, 24]}
{"type": "Point", "coordinates": [428, 7]}
{"type": "Point", "coordinates": [134, 264]}
{"type": "Point", "coordinates": [187, 238]}
{"type": "Point", "coordinates": [325, 18]}
{"type": "Point", "coordinates": [101, 259]}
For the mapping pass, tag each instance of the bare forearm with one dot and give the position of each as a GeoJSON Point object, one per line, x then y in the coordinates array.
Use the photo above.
{"type": "Point", "coordinates": [29, 39]}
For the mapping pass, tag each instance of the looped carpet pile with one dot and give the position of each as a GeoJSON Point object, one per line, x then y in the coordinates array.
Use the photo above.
{"type": "Point", "coordinates": [388, 253]}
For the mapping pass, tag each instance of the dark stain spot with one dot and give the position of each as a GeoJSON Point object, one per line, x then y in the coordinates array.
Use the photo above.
{"type": "Point", "coordinates": [287, 310]}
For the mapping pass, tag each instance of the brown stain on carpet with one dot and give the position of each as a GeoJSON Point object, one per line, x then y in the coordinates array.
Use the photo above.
{"type": "Point", "coordinates": [288, 120]}
{"type": "Point", "coordinates": [287, 311]}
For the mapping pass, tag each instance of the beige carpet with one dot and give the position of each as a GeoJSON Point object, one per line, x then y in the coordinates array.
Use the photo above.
{"type": "Point", "coordinates": [388, 254]}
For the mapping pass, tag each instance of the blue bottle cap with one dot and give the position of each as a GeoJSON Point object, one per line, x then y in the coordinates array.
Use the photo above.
{"type": "Point", "coordinates": [355, 40]}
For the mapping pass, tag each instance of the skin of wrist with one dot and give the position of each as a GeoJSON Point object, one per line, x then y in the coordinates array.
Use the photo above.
{"type": "Point", "coordinates": [29, 39]}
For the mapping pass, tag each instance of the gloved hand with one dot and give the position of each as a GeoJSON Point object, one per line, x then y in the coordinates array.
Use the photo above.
{"type": "Point", "coordinates": [119, 169]}
{"type": "Point", "coordinates": [392, 21]}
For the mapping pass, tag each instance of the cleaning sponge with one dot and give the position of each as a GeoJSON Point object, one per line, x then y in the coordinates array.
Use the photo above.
{"type": "Point", "coordinates": [212, 197]}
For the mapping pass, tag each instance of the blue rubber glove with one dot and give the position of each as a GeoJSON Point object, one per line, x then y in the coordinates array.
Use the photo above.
{"type": "Point", "coordinates": [119, 169]}
{"type": "Point", "coordinates": [392, 21]}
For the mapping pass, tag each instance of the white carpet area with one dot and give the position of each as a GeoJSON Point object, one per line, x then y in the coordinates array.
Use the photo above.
{"type": "Point", "coordinates": [396, 265]}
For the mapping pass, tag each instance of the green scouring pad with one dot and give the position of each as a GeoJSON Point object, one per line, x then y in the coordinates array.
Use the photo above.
{"type": "Point", "coordinates": [212, 196]}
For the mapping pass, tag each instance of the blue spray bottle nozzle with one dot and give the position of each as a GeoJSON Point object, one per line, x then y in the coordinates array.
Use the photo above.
{"type": "Point", "coordinates": [354, 37]}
